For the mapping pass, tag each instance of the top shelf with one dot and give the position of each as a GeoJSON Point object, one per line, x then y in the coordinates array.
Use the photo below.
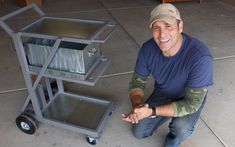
{"type": "Point", "coordinates": [65, 27]}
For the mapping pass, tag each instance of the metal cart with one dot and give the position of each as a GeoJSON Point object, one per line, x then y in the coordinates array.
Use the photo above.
{"type": "Point", "coordinates": [40, 45]}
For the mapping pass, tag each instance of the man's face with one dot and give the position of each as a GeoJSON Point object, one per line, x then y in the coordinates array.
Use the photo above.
{"type": "Point", "coordinates": [168, 36]}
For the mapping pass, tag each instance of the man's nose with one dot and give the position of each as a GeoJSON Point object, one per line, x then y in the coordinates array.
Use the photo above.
{"type": "Point", "coordinates": [162, 33]}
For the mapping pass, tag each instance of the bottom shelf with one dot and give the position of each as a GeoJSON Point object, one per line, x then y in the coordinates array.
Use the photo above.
{"type": "Point", "coordinates": [84, 112]}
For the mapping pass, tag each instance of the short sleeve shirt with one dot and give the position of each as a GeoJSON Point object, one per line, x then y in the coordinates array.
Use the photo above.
{"type": "Point", "coordinates": [190, 67]}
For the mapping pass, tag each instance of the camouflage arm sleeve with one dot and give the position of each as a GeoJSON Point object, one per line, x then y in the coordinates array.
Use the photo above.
{"type": "Point", "coordinates": [191, 103]}
{"type": "Point", "coordinates": [137, 83]}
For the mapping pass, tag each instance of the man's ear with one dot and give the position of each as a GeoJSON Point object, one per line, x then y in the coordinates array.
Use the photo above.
{"type": "Point", "coordinates": [181, 26]}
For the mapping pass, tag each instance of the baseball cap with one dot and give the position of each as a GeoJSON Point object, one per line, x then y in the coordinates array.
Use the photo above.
{"type": "Point", "coordinates": [165, 12]}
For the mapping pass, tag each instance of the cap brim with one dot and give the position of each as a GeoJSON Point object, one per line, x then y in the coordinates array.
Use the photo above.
{"type": "Point", "coordinates": [168, 19]}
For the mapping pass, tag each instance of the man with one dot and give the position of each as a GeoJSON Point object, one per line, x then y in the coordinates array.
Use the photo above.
{"type": "Point", "coordinates": [182, 69]}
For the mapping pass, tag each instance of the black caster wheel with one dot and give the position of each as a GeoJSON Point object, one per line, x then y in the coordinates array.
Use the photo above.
{"type": "Point", "coordinates": [26, 123]}
{"type": "Point", "coordinates": [92, 140]}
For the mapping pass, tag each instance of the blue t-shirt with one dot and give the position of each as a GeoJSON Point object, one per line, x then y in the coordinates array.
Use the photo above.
{"type": "Point", "coordinates": [190, 67]}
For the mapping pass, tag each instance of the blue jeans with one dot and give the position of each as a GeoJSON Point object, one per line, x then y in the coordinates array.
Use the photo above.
{"type": "Point", "coordinates": [179, 128]}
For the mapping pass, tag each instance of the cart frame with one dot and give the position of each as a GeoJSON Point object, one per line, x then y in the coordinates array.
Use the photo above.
{"type": "Point", "coordinates": [36, 97]}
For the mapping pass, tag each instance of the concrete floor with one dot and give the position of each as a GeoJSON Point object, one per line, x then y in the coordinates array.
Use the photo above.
{"type": "Point", "coordinates": [211, 21]}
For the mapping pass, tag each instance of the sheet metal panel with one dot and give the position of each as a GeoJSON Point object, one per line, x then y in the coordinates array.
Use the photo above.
{"type": "Point", "coordinates": [85, 113]}
{"type": "Point", "coordinates": [70, 57]}
{"type": "Point", "coordinates": [65, 28]}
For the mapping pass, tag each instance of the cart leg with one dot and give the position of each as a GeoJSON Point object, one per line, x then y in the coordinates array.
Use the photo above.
{"type": "Point", "coordinates": [60, 85]}
{"type": "Point", "coordinates": [48, 89]}
{"type": "Point", "coordinates": [25, 104]}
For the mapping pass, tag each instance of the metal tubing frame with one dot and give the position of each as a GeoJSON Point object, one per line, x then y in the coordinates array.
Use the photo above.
{"type": "Point", "coordinates": [46, 64]}
{"type": "Point", "coordinates": [107, 36]}
{"type": "Point", "coordinates": [42, 96]}
{"type": "Point", "coordinates": [104, 24]}
{"type": "Point", "coordinates": [92, 76]}
{"type": "Point", "coordinates": [86, 41]}
{"type": "Point", "coordinates": [15, 13]}
{"type": "Point", "coordinates": [48, 86]}
{"type": "Point", "coordinates": [60, 85]}
{"type": "Point", "coordinates": [32, 86]}
{"type": "Point", "coordinates": [33, 96]}
{"type": "Point", "coordinates": [24, 65]}
{"type": "Point", "coordinates": [23, 62]}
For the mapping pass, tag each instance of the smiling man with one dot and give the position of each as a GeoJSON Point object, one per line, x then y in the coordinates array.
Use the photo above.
{"type": "Point", "coordinates": [182, 68]}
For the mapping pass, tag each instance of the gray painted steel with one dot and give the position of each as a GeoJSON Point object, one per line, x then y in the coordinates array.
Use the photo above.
{"type": "Point", "coordinates": [82, 114]}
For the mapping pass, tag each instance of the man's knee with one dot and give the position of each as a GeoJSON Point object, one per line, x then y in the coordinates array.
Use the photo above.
{"type": "Point", "coordinates": [140, 133]}
{"type": "Point", "coordinates": [182, 131]}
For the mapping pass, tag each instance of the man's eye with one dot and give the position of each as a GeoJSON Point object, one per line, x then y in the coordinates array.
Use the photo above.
{"type": "Point", "coordinates": [155, 29]}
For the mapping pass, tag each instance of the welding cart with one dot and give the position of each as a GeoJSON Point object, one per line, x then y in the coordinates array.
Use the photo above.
{"type": "Point", "coordinates": [56, 50]}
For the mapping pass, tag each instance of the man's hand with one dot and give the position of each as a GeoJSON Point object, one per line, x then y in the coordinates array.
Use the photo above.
{"type": "Point", "coordinates": [137, 114]}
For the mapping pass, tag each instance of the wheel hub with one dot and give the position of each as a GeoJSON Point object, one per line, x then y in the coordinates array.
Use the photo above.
{"type": "Point", "coordinates": [25, 126]}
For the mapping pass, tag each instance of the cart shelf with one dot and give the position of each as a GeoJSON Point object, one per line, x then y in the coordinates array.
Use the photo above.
{"type": "Point", "coordinates": [85, 112]}
{"type": "Point", "coordinates": [89, 78]}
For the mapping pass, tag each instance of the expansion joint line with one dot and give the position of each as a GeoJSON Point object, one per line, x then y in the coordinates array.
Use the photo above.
{"type": "Point", "coordinates": [216, 135]}
{"type": "Point", "coordinates": [119, 24]}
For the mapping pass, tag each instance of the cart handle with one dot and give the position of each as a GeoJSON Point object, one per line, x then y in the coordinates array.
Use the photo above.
{"type": "Point", "coordinates": [15, 13]}
{"type": "Point", "coordinates": [107, 35]}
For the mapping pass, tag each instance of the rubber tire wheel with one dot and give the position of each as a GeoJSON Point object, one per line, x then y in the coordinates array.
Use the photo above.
{"type": "Point", "coordinates": [91, 140]}
{"type": "Point", "coordinates": [26, 123]}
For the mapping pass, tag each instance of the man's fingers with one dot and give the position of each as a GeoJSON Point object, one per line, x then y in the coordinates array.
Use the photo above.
{"type": "Point", "coordinates": [130, 118]}
{"type": "Point", "coordinates": [134, 118]}
{"type": "Point", "coordinates": [125, 117]}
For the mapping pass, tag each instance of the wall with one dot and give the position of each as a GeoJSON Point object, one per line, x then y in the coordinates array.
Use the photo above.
{"type": "Point", "coordinates": [232, 2]}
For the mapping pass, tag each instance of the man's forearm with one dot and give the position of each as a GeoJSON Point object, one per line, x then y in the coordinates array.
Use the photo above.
{"type": "Point", "coordinates": [136, 89]}
{"type": "Point", "coordinates": [190, 104]}
{"type": "Point", "coordinates": [137, 98]}
{"type": "Point", "coordinates": [137, 83]}
{"type": "Point", "coordinates": [165, 110]}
